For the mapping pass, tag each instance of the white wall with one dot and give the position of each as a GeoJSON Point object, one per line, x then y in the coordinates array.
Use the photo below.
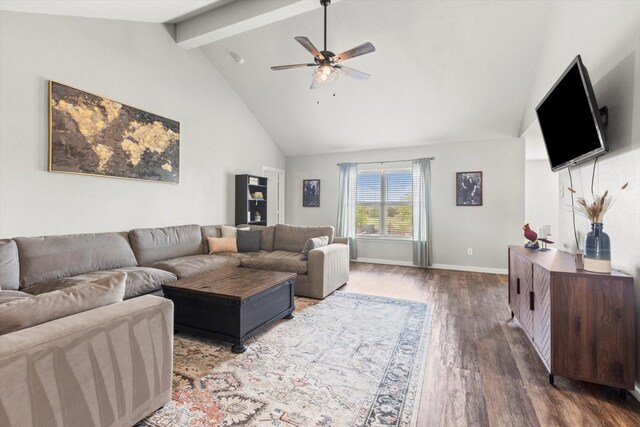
{"type": "Point", "coordinates": [487, 229]}
{"type": "Point", "coordinates": [607, 34]}
{"type": "Point", "coordinates": [139, 65]}
{"type": "Point", "coordinates": [541, 191]}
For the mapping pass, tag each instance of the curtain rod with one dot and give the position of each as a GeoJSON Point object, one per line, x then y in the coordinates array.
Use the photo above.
{"type": "Point", "coordinates": [388, 161]}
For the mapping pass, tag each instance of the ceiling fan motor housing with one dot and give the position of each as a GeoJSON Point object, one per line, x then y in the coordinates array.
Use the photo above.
{"type": "Point", "coordinates": [325, 3]}
{"type": "Point", "coordinates": [328, 58]}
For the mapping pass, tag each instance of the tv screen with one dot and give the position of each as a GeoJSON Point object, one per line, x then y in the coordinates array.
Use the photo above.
{"type": "Point", "coordinates": [570, 119]}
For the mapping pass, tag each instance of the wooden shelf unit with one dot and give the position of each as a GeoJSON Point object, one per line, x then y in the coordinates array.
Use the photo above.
{"type": "Point", "coordinates": [581, 324]}
{"type": "Point", "coordinates": [246, 205]}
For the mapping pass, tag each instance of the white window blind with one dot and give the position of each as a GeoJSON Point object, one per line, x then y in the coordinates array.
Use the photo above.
{"type": "Point", "coordinates": [384, 202]}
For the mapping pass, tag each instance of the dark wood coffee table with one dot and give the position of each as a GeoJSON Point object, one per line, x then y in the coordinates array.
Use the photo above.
{"type": "Point", "coordinates": [231, 304]}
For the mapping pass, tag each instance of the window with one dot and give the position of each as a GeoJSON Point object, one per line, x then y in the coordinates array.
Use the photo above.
{"type": "Point", "coordinates": [384, 203]}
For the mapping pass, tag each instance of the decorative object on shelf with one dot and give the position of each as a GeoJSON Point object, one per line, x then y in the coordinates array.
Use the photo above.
{"type": "Point", "coordinates": [544, 232]}
{"type": "Point", "coordinates": [257, 217]}
{"type": "Point", "coordinates": [257, 195]}
{"type": "Point", "coordinates": [253, 180]}
{"type": "Point", "coordinates": [469, 188]}
{"type": "Point", "coordinates": [327, 62]}
{"type": "Point", "coordinates": [597, 245]}
{"type": "Point", "coordinates": [311, 193]}
{"type": "Point", "coordinates": [92, 135]}
{"type": "Point", "coordinates": [579, 261]}
{"type": "Point", "coordinates": [534, 239]}
{"type": "Point", "coordinates": [597, 250]}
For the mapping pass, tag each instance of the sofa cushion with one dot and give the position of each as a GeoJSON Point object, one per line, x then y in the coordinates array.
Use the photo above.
{"type": "Point", "coordinates": [313, 243]}
{"type": "Point", "coordinates": [222, 244]}
{"type": "Point", "coordinates": [36, 309]}
{"type": "Point", "coordinates": [188, 266]}
{"type": "Point", "coordinates": [157, 244]}
{"type": "Point", "coordinates": [293, 237]}
{"type": "Point", "coordinates": [266, 239]}
{"type": "Point", "coordinates": [278, 261]}
{"type": "Point", "coordinates": [209, 231]}
{"type": "Point", "coordinates": [249, 240]}
{"type": "Point", "coordinates": [9, 266]}
{"type": "Point", "coordinates": [11, 295]}
{"type": "Point", "coordinates": [231, 231]}
{"type": "Point", "coordinates": [244, 256]}
{"type": "Point", "coordinates": [140, 281]}
{"type": "Point", "coordinates": [52, 257]}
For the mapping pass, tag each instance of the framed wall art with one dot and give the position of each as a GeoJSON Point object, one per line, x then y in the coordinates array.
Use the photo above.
{"type": "Point", "coordinates": [311, 193]}
{"type": "Point", "coordinates": [92, 135]}
{"type": "Point", "coordinates": [469, 188]}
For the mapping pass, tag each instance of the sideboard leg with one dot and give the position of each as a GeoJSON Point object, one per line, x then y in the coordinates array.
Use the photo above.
{"type": "Point", "coordinates": [512, 314]}
{"type": "Point", "coordinates": [551, 379]}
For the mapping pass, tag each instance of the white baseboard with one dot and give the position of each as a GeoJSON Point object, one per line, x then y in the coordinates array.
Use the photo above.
{"type": "Point", "coordinates": [436, 266]}
{"type": "Point", "coordinates": [636, 392]}
{"type": "Point", "coordinates": [384, 261]}
{"type": "Point", "coordinates": [471, 268]}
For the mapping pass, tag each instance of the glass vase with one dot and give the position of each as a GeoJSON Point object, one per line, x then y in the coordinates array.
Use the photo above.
{"type": "Point", "coordinates": [597, 250]}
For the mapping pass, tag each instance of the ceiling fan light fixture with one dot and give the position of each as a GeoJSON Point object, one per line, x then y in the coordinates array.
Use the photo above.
{"type": "Point", "coordinates": [325, 74]}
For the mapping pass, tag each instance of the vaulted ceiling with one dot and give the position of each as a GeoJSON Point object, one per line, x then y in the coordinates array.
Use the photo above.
{"type": "Point", "coordinates": [442, 71]}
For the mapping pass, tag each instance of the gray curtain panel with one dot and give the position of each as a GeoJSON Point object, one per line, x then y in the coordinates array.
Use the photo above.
{"type": "Point", "coordinates": [421, 212]}
{"type": "Point", "coordinates": [347, 206]}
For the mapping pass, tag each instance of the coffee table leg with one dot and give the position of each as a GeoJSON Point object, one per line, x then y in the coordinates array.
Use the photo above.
{"type": "Point", "coordinates": [239, 347]}
{"type": "Point", "coordinates": [289, 316]}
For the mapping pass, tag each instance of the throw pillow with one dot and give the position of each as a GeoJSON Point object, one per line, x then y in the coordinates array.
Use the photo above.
{"type": "Point", "coordinates": [228, 231]}
{"type": "Point", "coordinates": [9, 267]}
{"type": "Point", "coordinates": [314, 243]}
{"type": "Point", "coordinates": [222, 244]}
{"type": "Point", "coordinates": [249, 240]}
{"type": "Point", "coordinates": [33, 310]}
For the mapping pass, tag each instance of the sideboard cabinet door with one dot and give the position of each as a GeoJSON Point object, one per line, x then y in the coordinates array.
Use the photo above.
{"type": "Point", "coordinates": [542, 313]}
{"type": "Point", "coordinates": [523, 276]}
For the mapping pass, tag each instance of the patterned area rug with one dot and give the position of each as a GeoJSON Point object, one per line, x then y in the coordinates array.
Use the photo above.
{"type": "Point", "coordinates": [349, 360]}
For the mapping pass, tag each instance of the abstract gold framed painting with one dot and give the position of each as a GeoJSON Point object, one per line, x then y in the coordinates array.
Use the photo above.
{"type": "Point", "coordinates": [89, 134]}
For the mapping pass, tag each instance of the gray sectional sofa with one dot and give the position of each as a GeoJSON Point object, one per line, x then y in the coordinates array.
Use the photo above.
{"type": "Point", "coordinates": [112, 364]}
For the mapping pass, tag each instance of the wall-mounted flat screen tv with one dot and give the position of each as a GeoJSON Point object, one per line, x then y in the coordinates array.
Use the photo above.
{"type": "Point", "coordinates": [570, 119]}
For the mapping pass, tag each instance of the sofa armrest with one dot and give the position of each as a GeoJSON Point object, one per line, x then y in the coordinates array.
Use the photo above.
{"type": "Point", "coordinates": [327, 269]}
{"type": "Point", "coordinates": [108, 366]}
{"type": "Point", "coordinates": [341, 240]}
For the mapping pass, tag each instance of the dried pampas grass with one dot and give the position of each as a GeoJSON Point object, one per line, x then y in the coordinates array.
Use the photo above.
{"type": "Point", "coordinates": [595, 210]}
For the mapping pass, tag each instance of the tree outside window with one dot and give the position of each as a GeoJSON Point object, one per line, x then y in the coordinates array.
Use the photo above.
{"type": "Point", "coordinates": [384, 205]}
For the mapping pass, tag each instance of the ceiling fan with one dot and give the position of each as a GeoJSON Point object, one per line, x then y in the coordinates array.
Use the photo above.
{"type": "Point", "coordinates": [328, 62]}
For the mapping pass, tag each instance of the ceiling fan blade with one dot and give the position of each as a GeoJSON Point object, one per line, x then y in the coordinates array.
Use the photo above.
{"type": "Point", "coordinates": [315, 84]}
{"type": "Point", "coordinates": [352, 73]}
{"type": "Point", "coordinates": [363, 49]}
{"type": "Point", "coordinates": [306, 43]}
{"type": "Point", "coordinates": [287, 67]}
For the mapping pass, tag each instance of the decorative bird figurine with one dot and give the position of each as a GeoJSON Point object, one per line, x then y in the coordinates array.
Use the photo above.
{"type": "Point", "coordinates": [532, 238]}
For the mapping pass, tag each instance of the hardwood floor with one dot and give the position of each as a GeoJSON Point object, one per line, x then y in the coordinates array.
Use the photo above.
{"type": "Point", "coordinates": [481, 369]}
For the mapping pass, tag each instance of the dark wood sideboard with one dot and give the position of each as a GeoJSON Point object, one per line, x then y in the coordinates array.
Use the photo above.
{"type": "Point", "coordinates": [581, 324]}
